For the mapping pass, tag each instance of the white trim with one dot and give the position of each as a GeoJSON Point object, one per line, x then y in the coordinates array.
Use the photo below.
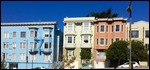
{"type": "Point", "coordinates": [111, 41]}
{"type": "Point", "coordinates": [100, 28]}
{"type": "Point", "coordinates": [123, 28]}
{"type": "Point", "coordinates": [100, 41]}
{"type": "Point", "coordinates": [112, 28]}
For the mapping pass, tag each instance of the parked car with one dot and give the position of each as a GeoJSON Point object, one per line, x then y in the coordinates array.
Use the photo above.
{"type": "Point", "coordinates": [40, 67]}
{"type": "Point", "coordinates": [126, 65]}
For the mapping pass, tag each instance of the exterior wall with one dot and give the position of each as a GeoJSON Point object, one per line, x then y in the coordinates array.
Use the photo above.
{"type": "Point", "coordinates": [78, 33]}
{"type": "Point", "coordinates": [106, 35]}
{"type": "Point", "coordinates": [141, 26]}
{"type": "Point", "coordinates": [39, 56]}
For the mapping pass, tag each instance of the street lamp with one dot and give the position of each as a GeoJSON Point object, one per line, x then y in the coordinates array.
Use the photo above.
{"type": "Point", "coordinates": [129, 9]}
{"type": "Point", "coordinates": [26, 53]}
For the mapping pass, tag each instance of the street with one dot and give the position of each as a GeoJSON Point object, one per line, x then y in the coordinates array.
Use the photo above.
{"type": "Point", "coordinates": [125, 68]}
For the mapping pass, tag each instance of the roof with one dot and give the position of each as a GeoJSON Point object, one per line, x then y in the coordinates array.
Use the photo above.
{"type": "Point", "coordinates": [28, 23]}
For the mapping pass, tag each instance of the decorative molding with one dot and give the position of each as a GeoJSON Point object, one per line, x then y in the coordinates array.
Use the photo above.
{"type": "Point", "coordinates": [78, 23]}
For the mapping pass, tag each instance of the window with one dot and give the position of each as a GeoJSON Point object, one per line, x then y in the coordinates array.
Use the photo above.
{"type": "Point", "coordinates": [35, 33]}
{"type": "Point", "coordinates": [106, 28]}
{"type": "Point", "coordinates": [32, 57]}
{"type": "Point", "coordinates": [117, 28]}
{"type": "Point", "coordinates": [122, 28]}
{"type": "Point", "coordinates": [112, 28]}
{"type": "Point", "coordinates": [102, 28]}
{"type": "Point", "coordinates": [117, 39]}
{"type": "Point", "coordinates": [69, 39]}
{"type": "Point", "coordinates": [46, 45]}
{"type": "Point", "coordinates": [97, 28]}
{"type": "Point", "coordinates": [112, 40]}
{"type": "Point", "coordinates": [86, 39]}
{"type": "Point", "coordinates": [6, 35]}
{"type": "Point", "coordinates": [14, 34]}
{"type": "Point", "coordinates": [31, 45]}
{"type": "Point", "coordinates": [70, 27]}
{"type": "Point", "coordinates": [22, 56]}
{"type": "Point", "coordinates": [32, 34]}
{"type": "Point", "coordinates": [70, 52]}
{"type": "Point", "coordinates": [22, 45]}
{"type": "Point", "coordinates": [147, 46]}
{"type": "Point", "coordinates": [5, 44]}
{"type": "Point", "coordinates": [13, 56]}
{"type": "Point", "coordinates": [46, 57]}
{"type": "Point", "coordinates": [101, 41]}
{"type": "Point", "coordinates": [5, 56]}
{"type": "Point", "coordinates": [86, 27]}
{"type": "Point", "coordinates": [46, 33]}
{"type": "Point", "coordinates": [97, 42]}
{"type": "Point", "coordinates": [101, 54]}
{"type": "Point", "coordinates": [147, 33]}
{"type": "Point", "coordinates": [14, 45]}
{"type": "Point", "coordinates": [49, 45]}
{"type": "Point", "coordinates": [106, 42]}
{"type": "Point", "coordinates": [135, 34]}
{"type": "Point", "coordinates": [50, 34]}
{"type": "Point", "coordinates": [23, 34]}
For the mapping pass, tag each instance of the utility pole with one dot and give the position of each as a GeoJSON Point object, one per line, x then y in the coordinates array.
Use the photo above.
{"type": "Point", "coordinates": [129, 9]}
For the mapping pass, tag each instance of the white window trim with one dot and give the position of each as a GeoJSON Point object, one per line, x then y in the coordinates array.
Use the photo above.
{"type": "Point", "coordinates": [72, 27]}
{"type": "Point", "coordinates": [89, 26]}
{"type": "Point", "coordinates": [104, 28]}
{"type": "Point", "coordinates": [5, 47]}
{"type": "Point", "coordinates": [6, 34]}
{"type": "Point", "coordinates": [72, 39]}
{"type": "Point", "coordinates": [119, 28]}
{"type": "Point", "coordinates": [145, 34]}
{"type": "Point", "coordinates": [84, 39]}
{"type": "Point", "coordinates": [45, 33]}
{"type": "Point", "coordinates": [13, 35]}
{"type": "Point", "coordinates": [14, 45]}
{"type": "Point", "coordinates": [100, 41]}
{"type": "Point", "coordinates": [14, 56]}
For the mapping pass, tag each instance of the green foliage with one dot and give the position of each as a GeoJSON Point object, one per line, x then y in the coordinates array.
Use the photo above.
{"type": "Point", "coordinates": [117, 51]}
{"type": "Point", "coordinates": [3, 65]}
{"type": "Point", "coordinates": [104, 14]}
{"type": "Point", "coordinates": [138, 51]}
{"type": "Point", "coordinates": [85, 53]}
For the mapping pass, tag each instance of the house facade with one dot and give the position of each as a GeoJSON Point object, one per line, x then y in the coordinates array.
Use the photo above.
{"type": "Point", "coordinates": [139, 31]}
{"type": "Point", "coordinates": [30, 44]}
{"type": "Point", "coordinates": [107, 31]}
{"type": "Point", "coordinates": [78, 35]}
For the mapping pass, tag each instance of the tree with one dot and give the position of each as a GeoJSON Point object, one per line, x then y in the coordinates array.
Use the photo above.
{"type": "Point", "coordinates": [117, 51]}
{"type": "Point", "coordinates": [3, 65]}
{"type": "Point", "coordinates": [85, 53]}
{"type": "Point", "coordinates": [104, 14]}
{"type": "Point", "coordinates": [139, 53]}
{"type": "Point", "coordinates": [67, 62]}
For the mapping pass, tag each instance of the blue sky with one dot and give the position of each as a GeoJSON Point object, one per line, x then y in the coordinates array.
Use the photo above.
{"type": "Point", "coordinates": [35, 11]}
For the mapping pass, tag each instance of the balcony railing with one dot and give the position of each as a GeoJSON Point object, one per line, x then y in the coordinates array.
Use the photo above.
{"type": "Point", "coordinates": [47, 51]}
{"type": "Point", "coordinates": [70, 45]}
{"type": "Point", "coordinates": [33, 51]}
{"type": "Point", "coordinates": [86, 45]}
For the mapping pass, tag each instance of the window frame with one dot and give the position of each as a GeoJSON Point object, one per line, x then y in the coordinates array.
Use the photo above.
{"type": "Point", "coordinates": [103, 41]}
{"type": "Point", "coordinates": [23, 34]}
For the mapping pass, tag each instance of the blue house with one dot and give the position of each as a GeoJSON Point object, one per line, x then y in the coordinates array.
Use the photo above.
{"type": "Point", "coordinates": [31, 44]}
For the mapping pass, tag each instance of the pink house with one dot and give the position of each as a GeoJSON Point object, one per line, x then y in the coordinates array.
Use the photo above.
{"type": "Point", "coordinates": [107, 31]}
